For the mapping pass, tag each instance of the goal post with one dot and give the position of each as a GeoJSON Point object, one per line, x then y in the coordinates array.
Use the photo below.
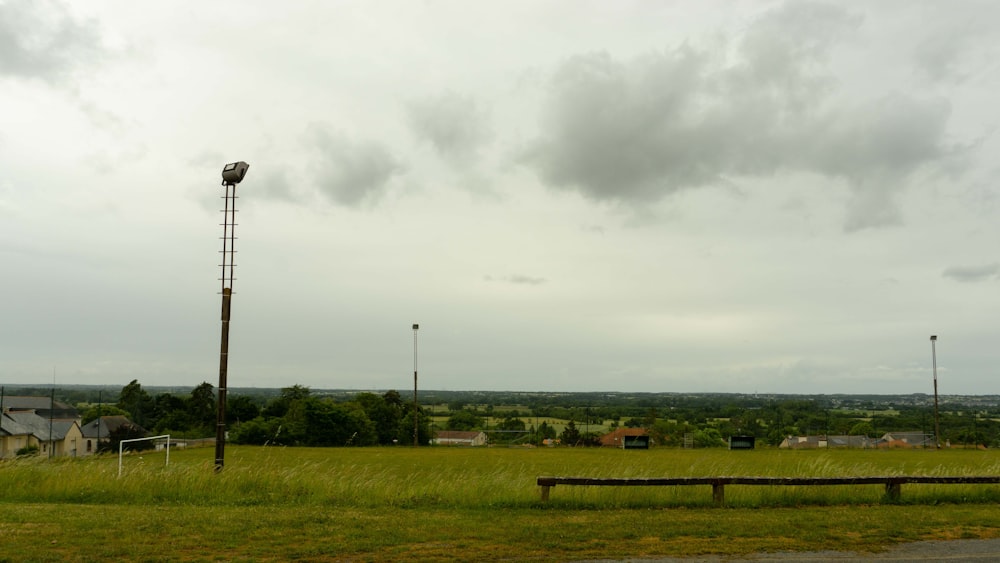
{"type": "Point", "coordinates": [121, 449]}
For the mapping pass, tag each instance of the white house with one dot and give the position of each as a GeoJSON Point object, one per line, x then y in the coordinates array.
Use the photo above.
{"type": "Point", "coordinates": [460, 438]}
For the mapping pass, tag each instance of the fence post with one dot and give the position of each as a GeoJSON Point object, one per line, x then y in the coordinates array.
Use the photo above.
{"type": "Point", "coordinates": [718, 493]}
{"type": "Point", "coordinates": [893, 487]}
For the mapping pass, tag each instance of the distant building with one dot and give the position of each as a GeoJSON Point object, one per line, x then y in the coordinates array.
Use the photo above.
{"type": "Point", "coordinates": [617, 437]}
{"type": "Point", "coordinates": [460, 438]}
{"type": "Point", "coordinates": [817, 442]}
{"type": "Point", "coordinates": [100, 429]}
{"type": "Point", "coordinates": [44, 407]}
{"type": "Point", "coordinates": [24, 429]}
{"type": "Point", "coordinates": [907, 440]}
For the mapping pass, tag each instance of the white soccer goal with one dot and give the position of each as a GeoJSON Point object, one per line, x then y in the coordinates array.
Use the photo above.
{"type": "Point", "coordinates": [121, 449]}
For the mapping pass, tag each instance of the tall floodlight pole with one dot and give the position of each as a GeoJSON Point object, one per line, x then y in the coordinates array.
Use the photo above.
{"type": "Point", "coordinates": [232, 174]}
{"type": "Point", "coordinates": [416, 407]}
{"type": "Point", "coordinates": [937, 424]}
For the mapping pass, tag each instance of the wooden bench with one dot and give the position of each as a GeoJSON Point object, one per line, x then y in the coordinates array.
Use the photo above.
{"type": "Point", "coordinates": [893, 485]}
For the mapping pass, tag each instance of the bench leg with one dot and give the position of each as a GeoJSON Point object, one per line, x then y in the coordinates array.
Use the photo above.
{"type": "Point", "coordinates": [893, 489]}
{"type": "Point", "coordinates": [545, 493]}
{"type": "Point", "coordinates": [718, 494]}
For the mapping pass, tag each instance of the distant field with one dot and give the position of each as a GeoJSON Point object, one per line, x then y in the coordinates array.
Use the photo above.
{"type": "Point", "coordinates": [460, 504]}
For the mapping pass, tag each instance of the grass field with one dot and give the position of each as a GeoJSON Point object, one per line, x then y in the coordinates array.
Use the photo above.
{"type": "Point", "coordinates": [453, 504]}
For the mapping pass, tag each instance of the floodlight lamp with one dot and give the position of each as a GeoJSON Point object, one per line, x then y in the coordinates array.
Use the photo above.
{"type": "Point", "coordinates": [933, 337]}
{"type": "Point", "coordinates": [233, 173]}
{"type": "Point", "coordinates": [415, 327]}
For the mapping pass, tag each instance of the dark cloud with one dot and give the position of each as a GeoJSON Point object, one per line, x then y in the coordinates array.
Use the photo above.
{"type": "Point", "coordinates": [634, 132]}
{"type": "Point", "coordinates": [41, 39]}
{"type": "Point", "coordinates": [350, 173]}
{"type": "Point", "coordinates": [967, 274]}
{"type": "Point", "coordinates": [454, 124]}
{"type": "Point", "coordinates": [517, 279]}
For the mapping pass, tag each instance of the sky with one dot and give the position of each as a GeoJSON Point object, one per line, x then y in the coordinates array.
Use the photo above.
{"type": "Point", "coordinates": [649, 196]}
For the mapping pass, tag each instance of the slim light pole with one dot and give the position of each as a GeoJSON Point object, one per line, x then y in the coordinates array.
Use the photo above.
{"type": "Point", "coordinates": [52, 408]}
{"type": "Point", "coordinates": [937, 424]}
{"type": "Point", "coordinates": [232, 174]}
{"type": "Point", "coordinates": [416, 406]}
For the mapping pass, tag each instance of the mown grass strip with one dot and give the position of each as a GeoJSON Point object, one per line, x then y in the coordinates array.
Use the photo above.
{"type": "Point", "coordinates": [48, 532]}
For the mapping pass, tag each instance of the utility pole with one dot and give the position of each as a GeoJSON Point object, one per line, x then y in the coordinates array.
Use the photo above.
{"type": "Point", "coordinates": [52, 408]}
{"type": "Point", "coordinates": [416, 405]}
{"type": "Point", "coordinates": [937, 424]}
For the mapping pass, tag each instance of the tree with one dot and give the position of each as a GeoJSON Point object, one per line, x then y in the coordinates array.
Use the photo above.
{"type": "Point", "coordinates": [545, 432]}
{"type": "Point", "coordinates": [862, 429]}
{"type": "Point", "coordinates": [461, 420]}
{"type": "Point", "coordinates": [393, 398]}
{"type": "Point", "coordinates": [511, 423]}
{"type": "Point", "coordinates": [289, 396]}
{"type": "Point", "coordinates": [92, 413]}
{"type": "Point", "coordinates": [258, 431]}
{"type": "Point", "coordinates": [295, 392]}
{"type": "Point", "coordinates": [125, 432]}
{"type": "Point", "coordinates": [665, 433]}
{"type": "Point", "coordinates": [201, 406]}
{"type": "Point", "coordinates": [172, 415]}
{"type": "Point", "coordinates": [511, 428]}
{"type": "Point", "coordinates": [650, 419]}
{"type": "Point", "coordinates": [138, 403]}
{"type": "Point", "coordinates": [708, 438]}
{"type": "Point", "coordinates": [241, 408]}
{"type": "Point", "coordinates": [383, 413]}
{"type": "Point", "coordinates": [406, 428]}
{"type": "Point", "coordinates": [332, 424]}
{"type": "Point", "coordinates": [570, 435]}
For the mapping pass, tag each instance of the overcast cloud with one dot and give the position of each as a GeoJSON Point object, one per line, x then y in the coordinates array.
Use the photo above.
{"type": "Point", "coordinates": [45, 40]}
{"type": "Point", "coordinates": [640, 130]}
{"type": "Point", "coordinates": [636, 195]}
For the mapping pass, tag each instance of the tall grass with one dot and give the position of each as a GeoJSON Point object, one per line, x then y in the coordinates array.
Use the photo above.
{"type": "Point", "coordinates": [480, 477]}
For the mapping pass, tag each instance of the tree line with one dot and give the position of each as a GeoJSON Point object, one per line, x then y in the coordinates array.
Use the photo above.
{"type": "Point", "coordinates": [297, 416]}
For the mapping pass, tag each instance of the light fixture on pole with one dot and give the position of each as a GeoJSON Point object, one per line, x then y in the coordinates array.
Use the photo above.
{"type": "Point", "coordinates": [937, 425]}
{"type": "Point", "coordinates": [232, 174]}
{"type": "Point", "coordinates": [416, 407]}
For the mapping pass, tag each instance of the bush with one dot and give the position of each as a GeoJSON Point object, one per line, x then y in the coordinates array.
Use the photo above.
{"type": "Point", "coordinates": [26, 451]}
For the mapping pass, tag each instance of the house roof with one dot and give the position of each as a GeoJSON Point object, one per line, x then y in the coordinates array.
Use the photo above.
{"type": "Point", "coordinates": [907, 439]}
{"type": "Point", "coordinates": [856, 441]}
{"type": "Point", "coordinates": [22, 402]}
{"type": "Point", "coordinates": [458, 434]}
{"type": "Point", "coordinates": [843, 441]}
{"type": "Point", "coordinates": [11, 427]}
{"type": "Point", "coordinates": [29, 423]}
{"type": "Point", "coordinates": [103, 427]}
{"type": "Point", "coordinates": [910, 437]}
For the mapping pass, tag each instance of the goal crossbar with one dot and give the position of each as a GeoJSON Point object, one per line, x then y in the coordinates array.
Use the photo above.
{"type": "Point", "coordinates": [121, 449]}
